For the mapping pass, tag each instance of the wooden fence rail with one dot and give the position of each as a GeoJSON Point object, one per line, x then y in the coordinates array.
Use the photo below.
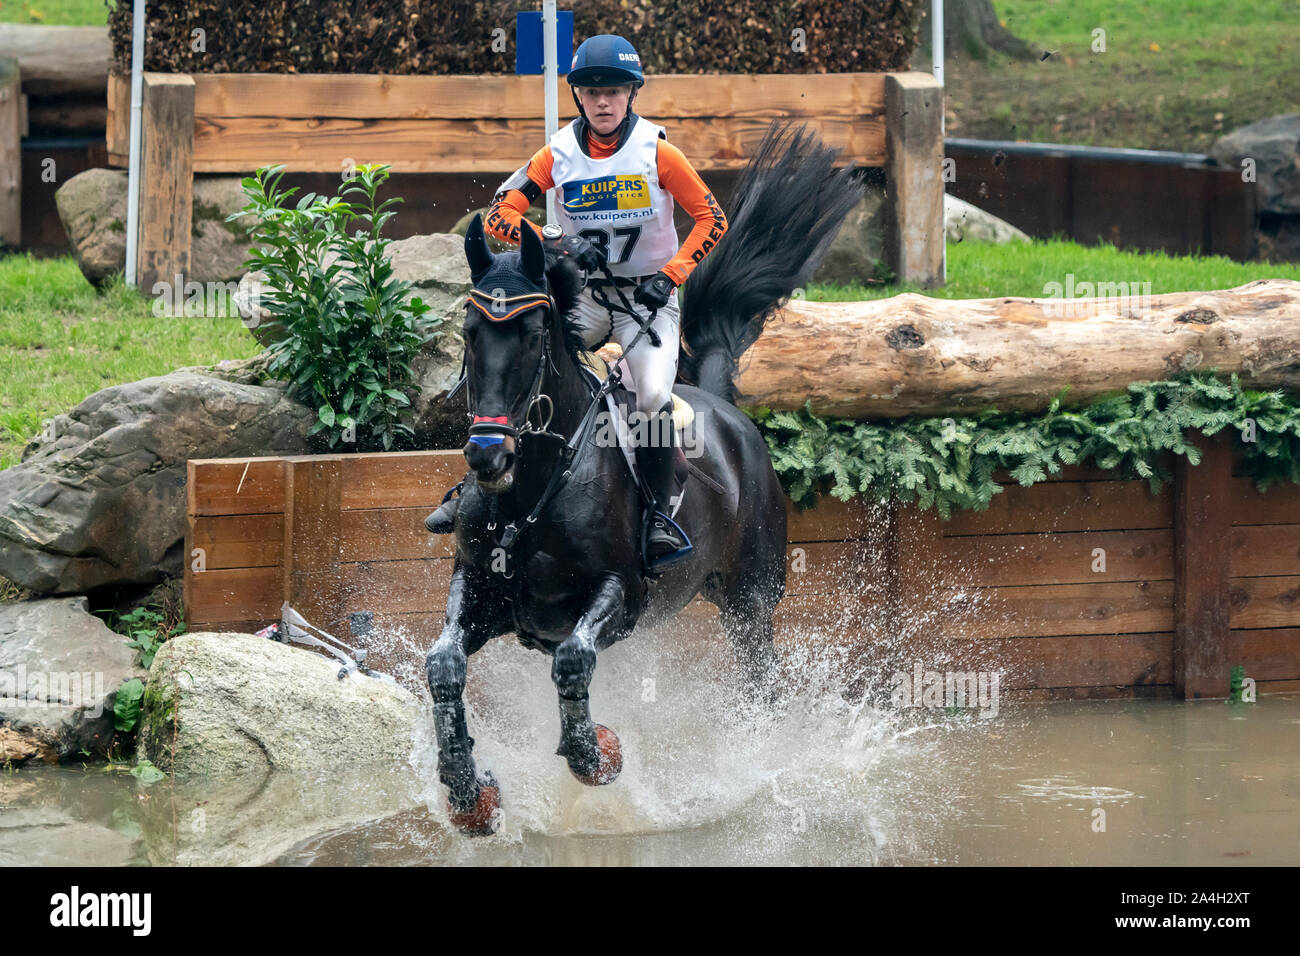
{"type": "Point", "coordinates": [234, 123]}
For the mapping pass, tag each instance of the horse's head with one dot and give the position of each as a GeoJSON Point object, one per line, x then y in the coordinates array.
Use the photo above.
{"type": "Point", "coordinates": [506, 349]}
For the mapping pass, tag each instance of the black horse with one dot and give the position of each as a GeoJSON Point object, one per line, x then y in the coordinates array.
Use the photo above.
{"type": "Point", "coordinates": [567, 576]}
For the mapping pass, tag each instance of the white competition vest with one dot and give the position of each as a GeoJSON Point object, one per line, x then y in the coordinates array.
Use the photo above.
{"type": "Point", "coordinates": [616, 202]}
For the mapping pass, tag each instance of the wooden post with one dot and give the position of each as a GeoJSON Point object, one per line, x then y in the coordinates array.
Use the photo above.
{"type": "Point", "coordinates": [166, 180]}
{"type": "Point", "coordinates": [914, 177]}
{"type": "Point", "coordinates": [1202, 539]}
{"type": "Point", "coordinates": [11, 157]}
{"type": "Point", "coordinates": [313, 582]}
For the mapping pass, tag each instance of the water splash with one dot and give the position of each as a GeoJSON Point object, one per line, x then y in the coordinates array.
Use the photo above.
{"type": "Point", "coordinates": [823, 768]}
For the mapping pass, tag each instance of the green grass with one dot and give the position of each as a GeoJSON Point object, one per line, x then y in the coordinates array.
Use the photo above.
{"type": "Point", "coordinates": [978, 270]}
{"type": "Point", "coordinates": [61, 341]}
{"type": "Point", "coordinates": [1176, 74]}
{"type": "Point", "coordinates": [56, 13]}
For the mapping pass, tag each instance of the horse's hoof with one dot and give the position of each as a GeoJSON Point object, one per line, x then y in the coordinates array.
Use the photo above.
{"type": "Point", "coordinates": [483, 819]}
{"type": "Point", "coordinates": [610, 764]}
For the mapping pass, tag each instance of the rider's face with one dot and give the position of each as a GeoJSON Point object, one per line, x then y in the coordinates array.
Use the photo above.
{"type": "Point", "coordinates": [605, 106]}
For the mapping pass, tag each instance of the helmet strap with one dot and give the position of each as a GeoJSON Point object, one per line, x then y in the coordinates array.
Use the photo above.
{"type": "Point", "coordinates": [627, 114]}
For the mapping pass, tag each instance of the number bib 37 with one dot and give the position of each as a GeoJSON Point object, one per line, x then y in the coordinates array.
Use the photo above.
{"type": "Point", "coordinates": [616, 202]}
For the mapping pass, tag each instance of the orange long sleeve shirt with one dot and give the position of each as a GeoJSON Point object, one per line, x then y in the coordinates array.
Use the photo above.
{"type": "Point", "coordinates": [676, 175]}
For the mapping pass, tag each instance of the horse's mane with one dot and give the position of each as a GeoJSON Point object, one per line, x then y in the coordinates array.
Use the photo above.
{"type": "Point", "coordinates": [566, 286]}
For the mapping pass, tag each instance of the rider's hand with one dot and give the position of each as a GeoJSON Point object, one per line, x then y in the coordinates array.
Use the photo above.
{"type": "Point", "coordinates": [586, 254]}
{"type": "Point", "coordinates": [655, 291]}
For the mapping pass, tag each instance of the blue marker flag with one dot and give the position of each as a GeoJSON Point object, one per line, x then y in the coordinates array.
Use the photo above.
{"type": "Point", "coordinates": [529, 51]}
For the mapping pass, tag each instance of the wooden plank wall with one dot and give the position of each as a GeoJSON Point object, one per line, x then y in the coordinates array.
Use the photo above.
{"type": "Point", "coordinates": [454, 124]}
{"type": "Point", "coordinates": [1067, 587]}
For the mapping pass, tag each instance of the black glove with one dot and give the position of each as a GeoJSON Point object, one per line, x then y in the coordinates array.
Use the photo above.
{"type": "Point", "coordinates": [586, 255]}
{"type": "Point", "coordinates": [655, 291]}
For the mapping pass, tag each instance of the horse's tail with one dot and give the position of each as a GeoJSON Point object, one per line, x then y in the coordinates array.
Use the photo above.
{"type": "Point", "coordinates": [788, 205]}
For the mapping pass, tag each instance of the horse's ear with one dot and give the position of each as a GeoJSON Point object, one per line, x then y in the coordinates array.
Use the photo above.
{"type": "Point", "coordinates": [477, 253]}
{"type": "Point", "coordinates": [531, 255]}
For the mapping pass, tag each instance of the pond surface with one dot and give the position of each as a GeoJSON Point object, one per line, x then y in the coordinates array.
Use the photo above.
{"type": "Point", "coordinates": [827, 780]}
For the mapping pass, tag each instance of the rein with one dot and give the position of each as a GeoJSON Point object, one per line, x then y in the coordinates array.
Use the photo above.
{"type": "Point", "coordinates": [490, 430]}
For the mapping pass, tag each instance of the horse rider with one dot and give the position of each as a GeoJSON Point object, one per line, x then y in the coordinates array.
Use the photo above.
{"type": "Point", "coordinates": [618, 178]}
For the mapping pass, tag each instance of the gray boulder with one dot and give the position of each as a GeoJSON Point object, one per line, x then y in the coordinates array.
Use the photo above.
{"type": "Point", "coordinates": [859, 246]}
{"type": "Point", "coordinates": [99, 496]}
{"type": "Point", "coordinates": [535, 215]}
{"type": "Point", "coordinates": [60, 670]}
{"type": "Point", "coordinates": [222, 704]}
{"type": "Point", "coordinates": [963, 221]}
{"type": "Point", "coordinates": [1274, 145]}
{"type": "Point", "coordinates": [218, 248]}
{"type": "Point", "coordinates": [857, 252]}
{"type": "Point", "coordinates": [92, 207]}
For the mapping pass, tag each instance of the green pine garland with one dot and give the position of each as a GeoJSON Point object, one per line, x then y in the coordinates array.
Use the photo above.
{"type": "Point", "coordinates": [948, 463]}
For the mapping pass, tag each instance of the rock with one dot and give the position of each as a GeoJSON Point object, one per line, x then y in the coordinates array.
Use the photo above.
{"type": "Point", "coordinates": [248, 704]}
{"type": "Point", "coordinates": [859, 246]}
{"type": "Point", "coordinates": [99, 496]}
{"type": "Point", "coordinates": [218, 248]}
{"type": "Point", "coordinates": [437, 422]}
{"type": "Point", "coordinates": [92, 207]}
{"type": "Point", "coordinates": [249, 371]}
{"type": "Point", "coordinates": [856, 254]}
{"type": "Point", "coordinates": [963, 221]}
{"type": "Point", "coordinates": [535, 214]}
{"type": "Point", "coordinates": [60, 670]}
{"type": "Point", "coordinates": [1274, 145]}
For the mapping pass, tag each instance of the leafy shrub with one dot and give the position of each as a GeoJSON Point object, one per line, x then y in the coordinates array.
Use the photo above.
{"type": "Point", "coordinates": [147, 629]}
{"type": "Point", "coordinates": [126, 705]}
{"type": "Point", "coordinates": [350, 333]}
{"type": "Point", "coordinates": [949, 463]}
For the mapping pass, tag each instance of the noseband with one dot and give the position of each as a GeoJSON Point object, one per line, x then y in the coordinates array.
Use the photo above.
{"type": "Point", "coordinates": [492, 430]}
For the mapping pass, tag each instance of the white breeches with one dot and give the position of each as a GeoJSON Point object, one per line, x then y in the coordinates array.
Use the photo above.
{"type": "Point", "coordinates": [647, 369]}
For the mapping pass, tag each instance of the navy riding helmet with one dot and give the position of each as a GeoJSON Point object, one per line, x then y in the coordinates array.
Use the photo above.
{"type": "Point", "coordinates": [605, 60]}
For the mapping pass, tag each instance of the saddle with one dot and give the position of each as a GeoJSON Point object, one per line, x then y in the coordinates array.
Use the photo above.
{"type": "Point", "coordinates": [621, 403]}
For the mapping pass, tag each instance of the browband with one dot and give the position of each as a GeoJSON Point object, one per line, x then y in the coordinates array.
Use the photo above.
{"type": "Point", "coordinates": [529, 300]}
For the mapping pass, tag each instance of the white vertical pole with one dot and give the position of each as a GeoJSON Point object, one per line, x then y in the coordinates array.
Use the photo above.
{"type": "Point", "coordinates": [133, 162]}
{"type": "Point", "coordinates": [550, 85]}
{"type": "Point", "coordinates": [936, 46]}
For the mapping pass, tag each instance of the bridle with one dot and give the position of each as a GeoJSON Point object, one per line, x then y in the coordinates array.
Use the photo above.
{"type": "Point", "coordinates": [492, 430]}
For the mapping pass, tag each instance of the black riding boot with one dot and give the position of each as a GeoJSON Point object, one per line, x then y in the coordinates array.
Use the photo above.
{"type": "Point", "coordinates": [665, 543]}
{"type": "Point", "coordinates": [443, 521]}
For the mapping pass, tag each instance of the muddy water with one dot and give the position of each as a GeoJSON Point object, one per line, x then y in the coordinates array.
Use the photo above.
{"type": "Point", "coordinates": [824, 779]}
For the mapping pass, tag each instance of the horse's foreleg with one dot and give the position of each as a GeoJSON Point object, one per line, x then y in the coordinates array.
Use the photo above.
{"type": "Point", "coordinates": [591, 750]}
{"type": "Point", "coordinates": [473, 616]}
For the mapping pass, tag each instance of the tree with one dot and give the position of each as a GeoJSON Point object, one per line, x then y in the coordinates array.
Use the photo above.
{"type": "Point", "coordinates": [971, 28]}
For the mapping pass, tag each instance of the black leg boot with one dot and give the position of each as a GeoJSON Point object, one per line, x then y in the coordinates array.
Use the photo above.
{"type": "Point", "coordinates": [443, 521]}
{"type": "Point", "coordinates": [666, 543]}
